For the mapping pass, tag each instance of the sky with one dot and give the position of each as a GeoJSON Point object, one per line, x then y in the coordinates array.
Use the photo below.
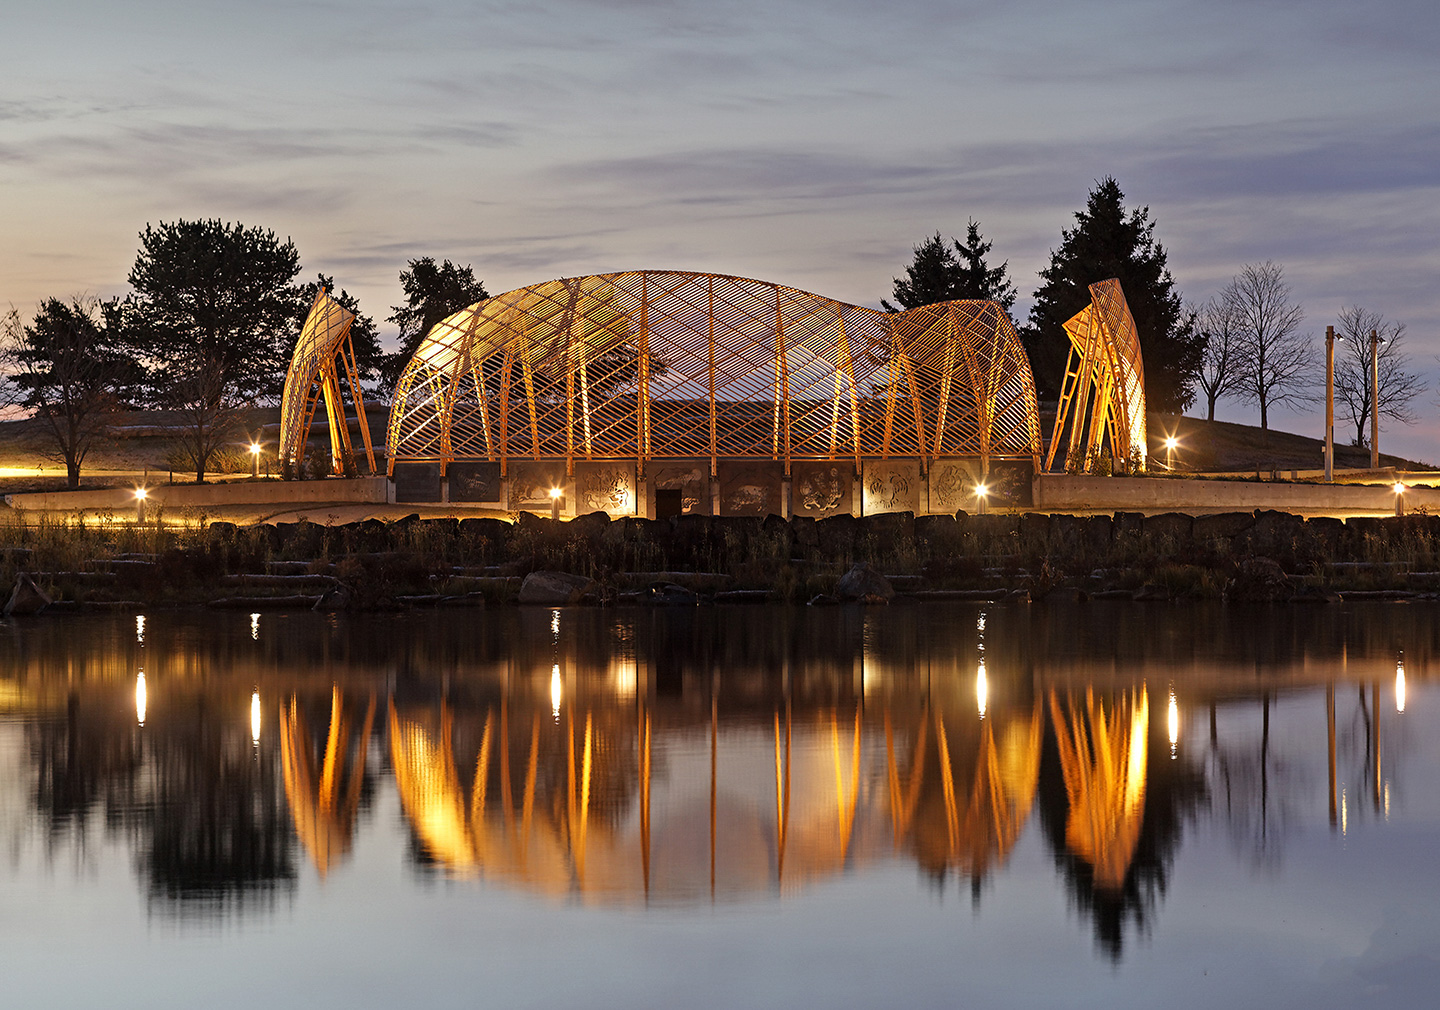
{"type": "Point", "coordinates": [808, 143]}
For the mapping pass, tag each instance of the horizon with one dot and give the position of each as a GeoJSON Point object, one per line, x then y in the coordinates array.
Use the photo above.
{"type": "Point", "coordinates": [813, 146]}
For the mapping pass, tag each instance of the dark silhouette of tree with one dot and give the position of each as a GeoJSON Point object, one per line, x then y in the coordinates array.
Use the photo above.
{"type": "Point", "coordinates": [211, 415]}
{"type": "Point", "coordinates": [432, 292]}
{"type": "Point", "coordinates": [939, 273]}
{"type": "Point", "coordinates": [1398, 385]}
{"type": "Point", "coordinates": [1109, 242]}
{"type": "Point", "coordinates": [66, 368]}
{"type": "Point", "coordinates": [217, 292]}
{"type": "Point", "coordinates": [1277, 363]}
{"type": "Point", "coordinates": [363, 334]}
{"type": "Point", "coordinates": [1220, 366]}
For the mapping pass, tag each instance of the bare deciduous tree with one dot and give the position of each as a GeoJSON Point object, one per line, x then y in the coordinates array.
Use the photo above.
{"type": "Point", "coordinates": [65, 367]}
{"type": "Point", "coordinates": [1277, 363]}
{"type": "Point", "coordinates": [1220, 364]}
{"type": "Point", "coordinates": [211, 414]}
{"type": "Point", "coordinates": [1398, 385]}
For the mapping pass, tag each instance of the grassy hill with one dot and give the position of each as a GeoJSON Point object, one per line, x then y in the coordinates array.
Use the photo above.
{"type": "Point", "coordinates": [143, 441]}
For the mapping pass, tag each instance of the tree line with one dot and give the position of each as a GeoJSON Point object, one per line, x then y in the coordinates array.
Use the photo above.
{"type": "Point", "coordinates": [207, 330]}
{"type": "Point", "coordinates": [214, 309]}
{"type": "Point", "coordinates": [1244, 343]}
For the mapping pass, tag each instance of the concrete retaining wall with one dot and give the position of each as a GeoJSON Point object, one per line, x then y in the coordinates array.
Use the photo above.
{"type": "Point", "coordinates": [1061, 493]}
{"type": "Point", "coordinates": [356, 489]}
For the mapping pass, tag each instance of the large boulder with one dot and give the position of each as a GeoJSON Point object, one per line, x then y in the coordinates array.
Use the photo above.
{"type": "Point", "coordinates": [1259, 580]}
{"type": "Point", "coordinates": [554, 588]}
{"type": "Point", "coordinates": [668, 594]}
{"type": "Point", "coordinates": [862, 581]}
{"type": "Point", "coordinates": [27, 598]}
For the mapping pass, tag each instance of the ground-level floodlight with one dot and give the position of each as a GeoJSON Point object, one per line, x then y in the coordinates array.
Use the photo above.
{"type": "Point", "coordinates": [555, 494]}
{"type": "Point", "coordinates": [981, 493]}
{"type": "Point", "coordinates": [1399, 490]}
{"type": "Point", "coordinates": [1170, 443]}
{"type": "Point", "coordinates": [140, 495]}
{"type": "Point", "coordinates": [254, 459]}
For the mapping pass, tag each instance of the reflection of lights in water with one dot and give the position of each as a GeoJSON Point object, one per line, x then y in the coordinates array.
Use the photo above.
{"type": "Point", "coordinates": [255, 717]}
{"type": "Point", "coordinates": [1399, 687]}
{"type": "Point", "coordinates": [255, 627]}
{"type": "Point", "coordinates": [1172, 722]}
{"type": "Point", "coordinates": [556, 689]}
{"type": "Point", "coordinates": [140, 628]}
{"type": "Point", "coordinates": [626, 677]}
{"type": "Point", "coordinates": [140, 697]}
{"type": "Point", "coordinates": [982, 689]}
{"type": "Point", "coordinates": [980, 623]}
{"type": "Point", "coordinates": [554, 622]}
{"type": "Point", "coordinates": [1344, 811]}
{"type": "Point", "coordinates": [1387, 801]}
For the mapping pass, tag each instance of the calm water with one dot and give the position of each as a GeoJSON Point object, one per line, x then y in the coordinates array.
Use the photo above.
{"type": "Point", "coordinates": [1104, 804]}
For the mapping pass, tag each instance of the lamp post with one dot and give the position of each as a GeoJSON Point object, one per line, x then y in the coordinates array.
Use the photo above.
{"type": "Point", "coordinates": [254, 459]}
{"type": "Point", "coordinates": [1330, 339]}
{"type": "Point", "coordinates": [981, 491]}
{"type": "Point", "coordinates": [1375, 343]}
{"type": "Point", "coordinates": [140, 495]}
{"type": "Point", "coordinates": [1170, 443]}
{"type": "Point", "coordinates": [555, 503]}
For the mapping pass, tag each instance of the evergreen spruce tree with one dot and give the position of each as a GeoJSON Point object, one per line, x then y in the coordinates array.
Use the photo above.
{"type": "Point", "coordinates": [1108, 242]}
{"type": "Point", "coordinates": [432, 292]}
{"type": "Point", "coordinates": [944, 273]}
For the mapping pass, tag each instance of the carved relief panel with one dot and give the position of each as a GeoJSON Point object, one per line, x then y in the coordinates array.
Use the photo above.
{"type": "Point", "coordinates": [691, 479]}
{"type": "Point", "coordinates": [891, 485]}
{"type": "Point", "coordinates": [605, 487]}
{"type": "Point", "coordinates": [530, 485]}
{"type": "Point", "coordinates": [821, 489]}
{"type": "Point", "coordinates": [750, 489]}
{"type": "Point", "coordinates": [952, 485]}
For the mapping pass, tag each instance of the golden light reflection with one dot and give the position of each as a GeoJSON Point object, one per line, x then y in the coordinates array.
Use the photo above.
{"type": "Point", "coordinates": [1172, 723]}
{"type": "Point", "coordinates": [140, 698]}
{"type": "Point", "coordinates": [140, 628]}
{"type": "Point", "coordinates": [1103, 756]}
{"type": "Point", "coordinates": [255, 717]}
{"type": "Point", "coordinates": [324, 794]}
{"type": "Point", "coordinates": [255, 627]}
{"type": "Point", "coordinates": [1399, 687]}
{"type": "Point", "coordinates": [982, 689]}
{"type": "Point", "coordinates": [557, 689]}
{"type": "Point", "coordinates": [625, 676]}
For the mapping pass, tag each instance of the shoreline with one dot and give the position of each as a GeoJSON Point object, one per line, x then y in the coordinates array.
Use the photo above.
{"type": "Point", "coordinates": [1264, 556]}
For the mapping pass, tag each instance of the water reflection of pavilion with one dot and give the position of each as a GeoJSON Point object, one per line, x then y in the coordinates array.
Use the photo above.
{"type": "Point", "coordinates": [632, 757]}
{"type": "Point", "coordinates": [630, 797]}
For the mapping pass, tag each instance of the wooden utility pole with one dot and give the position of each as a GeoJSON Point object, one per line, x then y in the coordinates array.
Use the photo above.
{"type": "Point", "coordinates": [1329, 404]}
{"type": "Point", "coordinates": [1374, 400]}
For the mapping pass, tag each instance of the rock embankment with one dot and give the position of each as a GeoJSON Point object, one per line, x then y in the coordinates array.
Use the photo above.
{"type": "Point", "coordinates": [1253, 557]}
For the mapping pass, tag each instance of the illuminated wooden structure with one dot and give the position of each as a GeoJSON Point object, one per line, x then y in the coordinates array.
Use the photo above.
{"type": "Point", "coordinates": [654, 365]}
{"type": "Point", "coordinates": [323, 351]}
{"type": "Point", "coordinates": [1104, 388]}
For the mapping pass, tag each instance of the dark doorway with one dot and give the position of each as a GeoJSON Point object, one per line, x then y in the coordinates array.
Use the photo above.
{"type": "Point", "coordinates": [669, 502]}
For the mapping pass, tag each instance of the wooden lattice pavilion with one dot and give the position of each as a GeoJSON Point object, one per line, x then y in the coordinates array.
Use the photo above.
{"type": "Point", "coordinates": [648, 368]}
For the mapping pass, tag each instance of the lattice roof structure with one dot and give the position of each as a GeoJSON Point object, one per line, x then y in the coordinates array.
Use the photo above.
{"type": "Point", "coordinates": [1104, 373]}
{"type": "Point", "coordinates": [324, 348]}
{"type": "Point", "coordinates": [665, 364]}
